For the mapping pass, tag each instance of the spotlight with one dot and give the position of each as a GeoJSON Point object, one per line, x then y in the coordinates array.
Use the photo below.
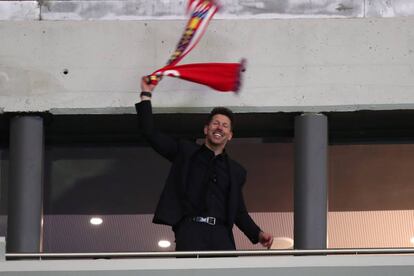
{"type": "Point", "coordinates": [96, 221]}
{"type": "Point", "coordinates": [164, 244]}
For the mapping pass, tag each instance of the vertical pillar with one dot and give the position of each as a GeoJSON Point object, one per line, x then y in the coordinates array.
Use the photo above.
{"type": "Point", "coordinates": [310, 189]}
{"type": "Point", "coordinates": [25, 184]}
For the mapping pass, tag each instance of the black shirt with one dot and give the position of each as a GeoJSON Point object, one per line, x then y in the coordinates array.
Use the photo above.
{"type": "Point", "coordinates": [208, 185]}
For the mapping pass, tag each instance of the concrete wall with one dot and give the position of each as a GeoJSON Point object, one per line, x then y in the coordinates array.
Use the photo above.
{"type": "Point", "coordinates": [86, 56]}
{"type": "Point", "coordinates": [293, 65]}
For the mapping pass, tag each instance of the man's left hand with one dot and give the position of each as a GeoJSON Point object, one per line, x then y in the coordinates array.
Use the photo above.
{"type": "Point", "coordinates": [265, 239]}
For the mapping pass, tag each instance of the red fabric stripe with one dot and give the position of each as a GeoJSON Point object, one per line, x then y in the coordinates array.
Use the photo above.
{"type": "Point", "coordinates": [219, 76]}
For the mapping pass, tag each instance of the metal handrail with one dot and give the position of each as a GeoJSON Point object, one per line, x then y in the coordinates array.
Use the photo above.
{"type": "Point", "coordinates": [295, 252]}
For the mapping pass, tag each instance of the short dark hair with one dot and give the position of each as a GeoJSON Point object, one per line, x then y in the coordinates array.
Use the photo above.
{"type": "Point", "coordinates": [222, 111]}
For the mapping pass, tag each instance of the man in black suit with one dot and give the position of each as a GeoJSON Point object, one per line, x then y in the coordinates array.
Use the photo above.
{"type": "Point", "coordinates": [202, 198]}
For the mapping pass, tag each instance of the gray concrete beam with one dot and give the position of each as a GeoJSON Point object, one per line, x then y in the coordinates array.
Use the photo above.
{"type": "Point", "coordinates": [311, 65]}
{"type": "Point", "coordinates": [172, 9]}
{"type": "Point", "coordinates": [386, 8]}
{"type": "Point", "coordinates": [159, 9]}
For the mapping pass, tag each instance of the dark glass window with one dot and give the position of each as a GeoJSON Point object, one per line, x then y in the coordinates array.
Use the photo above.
{"type": "Point", "coordinates": [121, 185]}
{"type": "Point", "coordinates": [371, 196]}
{"type": "Point", "coordinates": [4, 169]}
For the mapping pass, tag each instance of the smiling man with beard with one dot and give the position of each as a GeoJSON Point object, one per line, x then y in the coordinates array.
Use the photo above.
{"type": "Point", "coordinates": [202, 198]}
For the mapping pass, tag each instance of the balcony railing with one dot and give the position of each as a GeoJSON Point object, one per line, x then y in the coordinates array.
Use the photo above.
{"type": "Point", "coordinates": [197, 254]}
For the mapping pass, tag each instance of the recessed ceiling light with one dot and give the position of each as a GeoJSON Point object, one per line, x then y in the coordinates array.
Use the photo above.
{"type": "Point", "coordinates": [96, 221]}
{"type": "Point", "coordinates": [164, 243]}
{"type": "Point", "coordinates": [282, 243]}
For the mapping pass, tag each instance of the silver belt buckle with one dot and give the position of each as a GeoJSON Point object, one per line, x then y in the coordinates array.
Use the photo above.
{"type": "Point", "coordinates": [211, 220]}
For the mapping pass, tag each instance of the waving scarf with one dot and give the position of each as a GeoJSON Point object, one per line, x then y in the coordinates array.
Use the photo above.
{"type": "Point", "coordinates": [219, 76]}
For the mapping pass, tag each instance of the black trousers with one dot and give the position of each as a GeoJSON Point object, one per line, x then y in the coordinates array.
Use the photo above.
{"type": "Point", "coordinates": [195, 236]}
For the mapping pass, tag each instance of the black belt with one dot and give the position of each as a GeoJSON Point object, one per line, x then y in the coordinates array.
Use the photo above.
{"type": "Point", "coordinates": [207, 220]}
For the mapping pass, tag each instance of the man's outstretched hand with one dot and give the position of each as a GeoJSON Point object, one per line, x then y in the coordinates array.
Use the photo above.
{"type": "Point", "coordinates": [265, 239]}
{"type": "Point", "coordinates": [146, 85]}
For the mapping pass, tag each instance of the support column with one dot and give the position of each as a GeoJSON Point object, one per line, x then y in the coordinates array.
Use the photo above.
{"type": "Point", "coordinates": [25, 184]}
{"type": "Point", "coordinates": [310, 189]}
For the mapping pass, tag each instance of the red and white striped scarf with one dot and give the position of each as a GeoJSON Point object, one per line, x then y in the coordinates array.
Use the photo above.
{"type": "Point", "coordinates": [219, 76]}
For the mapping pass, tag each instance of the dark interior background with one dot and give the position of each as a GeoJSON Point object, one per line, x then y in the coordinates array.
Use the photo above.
{"type": "Point", "coordinates": [100, 164]}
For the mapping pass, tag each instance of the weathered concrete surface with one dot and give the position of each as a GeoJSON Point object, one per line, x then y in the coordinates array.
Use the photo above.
{"type": "Point", "coordinates": [387, 8]}
{"type": "Point", "coordinates": [174, 9]}
{"type": "Point", "coordinates": [19, 10]}
{"type": "Point", "coordinates": [159, 9]}
{"type": "Point", "coordinates": [293, 65]}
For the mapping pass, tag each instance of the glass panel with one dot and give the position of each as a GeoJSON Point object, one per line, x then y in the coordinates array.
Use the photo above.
{"type": "Point", "coordinates": [121, 185]}
{"type": "Point", "coordinates": [371, 196]}
{"type": "Point", "coordinates": [4, 167]}
{"type": "Point", "coordinates": [268, 191]}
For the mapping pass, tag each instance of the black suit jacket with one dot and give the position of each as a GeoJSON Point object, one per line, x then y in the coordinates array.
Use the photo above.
{"type": "Point", "coordinates": [170, 206]}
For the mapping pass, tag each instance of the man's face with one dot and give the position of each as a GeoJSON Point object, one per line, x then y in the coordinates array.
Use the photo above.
{"type": "Point", "coordinates": [218, 131]}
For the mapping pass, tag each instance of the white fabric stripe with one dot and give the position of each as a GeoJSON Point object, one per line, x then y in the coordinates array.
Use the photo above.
{"type": "Point", "coordinates": [200, 31]}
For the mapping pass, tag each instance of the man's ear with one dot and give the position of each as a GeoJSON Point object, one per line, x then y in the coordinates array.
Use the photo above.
{"type": "Point", "coordinates": [230, 135]}
{"type": "Point", "coordinates": [205, 129]}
